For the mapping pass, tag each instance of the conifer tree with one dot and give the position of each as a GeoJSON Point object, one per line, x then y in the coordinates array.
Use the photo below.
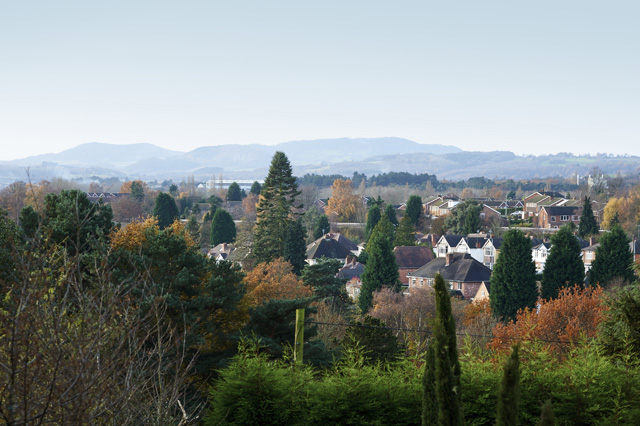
{"type": "Point", "coordinates": [274, 210]}
{"type": "Point", "coordinates": [390, 212]}
{"type": "Point", "coordinates": [513, 280]}
{"type": "Point", "coordinates": [255, 188]}
{"type": "Point", "coordinates": [381, 268]}
{"type": "Point", "coordinates": [509, 397]}
{"type": "Point", "coordinates": [295, 247]}
{"type": "Point", "coordinates": [373, 217]}
{"type": "Point", "coordinates": [447, 366]}
{"type": "Point", "coordinates": [165, 210]}
{"type": "Point", "coordinates": [405, 234]}
{"type": "Point", "coordinates": [414, 209]}
{"type": "Point", "coordinates": [429, 401]}
{"type": "Point", "coordinates": [223, 229]}
{"type": "Point", "coordinates": [322, 227]}
{"type": "Point", "coordinates": [588, 225]}
{"type": "Point", "coordinates": [234, 193]}
{"type": "Point", "coordinates": [613, 258]}
{"type": "Point", "coordinates": [564, 265]}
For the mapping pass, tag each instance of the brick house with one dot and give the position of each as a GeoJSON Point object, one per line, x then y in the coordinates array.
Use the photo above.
{"type": "Point", "coordinates": [464, 274]}
{"type": "Point", "coordinates": [410, 259]}
{"type": "Point", "coordinates": [556, 216]}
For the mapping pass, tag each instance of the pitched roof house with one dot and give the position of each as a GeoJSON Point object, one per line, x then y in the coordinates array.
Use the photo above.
{"type": "Point", "coordinates": [464, 273]}
{"type": "Point", "coordinates": [410, 258]}
{"type": "Point", "coordinates": [556, 216]}
{"type": "Point", "coordinates": [332, 245]}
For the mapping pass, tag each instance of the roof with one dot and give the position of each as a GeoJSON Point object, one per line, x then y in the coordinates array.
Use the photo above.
{"type": "Point", "coordinates": [332, 245]}
{"type": "Point", "coordinates": [562, 210]}
{"type": "Point", "coordinates": [413, 256]}
{"type": "Point", "coordinates": [495, 242]}
{"type": "Point", "coordinates": [463, 268]}
{"type": "Point", "coordinates": [352, 270]}
{"type": "Point", "coordinates": [452, 240]}
{"type": "Point", "coordinates": [542, 245]}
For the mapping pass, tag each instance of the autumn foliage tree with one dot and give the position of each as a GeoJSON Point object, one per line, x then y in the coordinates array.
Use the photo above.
{"type": "Point", "coordinates": [274, 280]}
{"type": "Point", "coordinates": [343, 202]}
{"type": "Point", "coordinates": [576, 313]}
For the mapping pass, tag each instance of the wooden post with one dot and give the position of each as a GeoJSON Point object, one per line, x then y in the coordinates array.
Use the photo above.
{"type": "Point", "coordinates": [299, 337]}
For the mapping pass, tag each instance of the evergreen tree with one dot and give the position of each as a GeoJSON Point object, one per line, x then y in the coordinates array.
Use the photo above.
{"type": "Point", "coordinates": [255, 188]}
{"type": "Point", "coordinates": [464, 218]}
{"type": "Point", "coordinates": [165, 210]}
{"type": "Point", "coordinates": [447, 366]}
{"type": "Point", "coordinates": [327, 287]}
{"type": "Point", "coordinates": [234, 193]}
{"type": "Point", "coordinates": [381, 268]}
{"type": "Point", "coordinates": [137, 191]}
{"type": "Point", "coordinates": [223, 229]}
{"type": "Point", "coordinates": [564, 265]}
{"type": "Point", "coordinates": [373, 217]}
{"type": "Point", "coordinates": [295, 249]}
{"type": "Point", "coordinates": [509, 397]}
{"type": "Point", "coordinates": [613, 258]}
{"type": "Point", "coordinates": [274, 210]}
{"type": "Point", "coordinates": [29, 221]}
{"type": "Point", "coordinates": [513, 280]}
{"type": "Point", "coordinates": [588, 225]}
{"type": "Point", "coordinates": [390, 212]}
{"type": "Point", "coordinates": [379, 343]}
{"type": "Point", "coordinates": [405, 234]}
{"type": "Point", "coordinates": [429, 400]}
{"type": "Point", "coordinates": [322, 227]}
{"type": "Point", "coordinates": [414, 209]}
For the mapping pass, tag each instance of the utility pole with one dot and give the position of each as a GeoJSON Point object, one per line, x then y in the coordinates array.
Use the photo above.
{"type": "Point", "coordinates": [299, 337]}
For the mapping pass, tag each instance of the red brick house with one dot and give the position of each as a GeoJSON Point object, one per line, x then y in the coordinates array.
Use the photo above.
{"type": "Point", "coordinates": [410, 259]}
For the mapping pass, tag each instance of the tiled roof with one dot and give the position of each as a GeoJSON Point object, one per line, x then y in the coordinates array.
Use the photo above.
{"type": "Point", "coordinates": [412, 256]}
{"type": "Point", "coordinates": [463, 268]}
{"type": "Point", "coordinates": [333, 245]}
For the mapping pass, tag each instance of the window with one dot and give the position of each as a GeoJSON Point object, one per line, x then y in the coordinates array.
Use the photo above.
{"type": "Point", "coordinates": [564, 217]}
{"type": "Point", "coordinates": [487, 251]}
{"type": "Point", "coordinates": [442, 250]}
{"type": "Point", "coordinates": [483, 293]}
{"type": "Point", "coordinates": [553, 219]}
{"type": "Point", "coordinates": [458, 286]}
{"type": "Point", "coordinates": [590, 255]}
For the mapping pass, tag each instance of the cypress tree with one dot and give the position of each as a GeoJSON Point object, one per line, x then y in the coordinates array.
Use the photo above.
{"type": "Point", "coordinates": [509, 397]}
{"type": "Point", "coordinates": [255, 188]}
{"type": "Point", "coordinates": [405, 234]}
{"type": "Point", "coordinates": [564, 265]}
{"type": "Point", "coordinates": [613, 258]}
{"type": "Point", "coordinates": [322, 227]}
{"type": "Point", "coordinates": [373, 217]}
{"type": "Point", "coordinates": [390, 212]}
{"type": "Point", "coordinates": [223, 229]}
{"type": "Point", "coordinates": [429, 401]}
{"type": "Point", "coordinates": [588, 225]}
{"type": "Point", "coordinates": [274, 209]}
{"type": "Point", "coordinates": [447, 366]}
{"type": "Point", "coordinates": [165, 210]}
{"type": "Point", "coordinates": [513, 280]}
{"type": "Point", "coordinates": [295, 247]}
{"type": "Point", "coordinates": [234, 193]}
{"type": "Point", "coordinates": [381, 268]}
{"type": "Point", "coordinates": [414, 209]}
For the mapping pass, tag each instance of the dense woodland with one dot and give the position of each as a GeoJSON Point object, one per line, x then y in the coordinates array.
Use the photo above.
{"type": "Point", "coordinates": [112, 312]}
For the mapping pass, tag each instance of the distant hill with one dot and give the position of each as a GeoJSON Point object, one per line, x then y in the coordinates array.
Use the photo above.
{"type": "Point", "coordinates": [325, 156]}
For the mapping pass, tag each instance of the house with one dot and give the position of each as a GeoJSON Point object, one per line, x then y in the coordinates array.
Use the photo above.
{"type": "Point", "coordinates": [534, 202]}
{"type": "Point", "coordinates": [353, 287]}
{"type": "Point", "coordinates": [106, 197]}
{"type": "Point", "coordinates": [482, 293]}
{"type": "Point", "coordinates": [410, 259]}
{"type": "Point", "coordinates": [332, 245]}
{"type": "Point", "coordinates": [471, 244]}
{"type": "Point", "coordinates": [351, 269]}
{"type": "Point", "coordinates": [589, 255]}
{"type": "Point", "coordinates": [490, 251]}
{"type": "Point", "coordinates": [539, 253]}
{"type": "Point", "coordinates": [464, 273]}
{"type": "Point", "coordinates": [489, 214]}
{"type": "Point", "coordinates": [220, 252]}
{"type": "Point", "coordinates": [441, 205]}
{"type": "Point", "coordinates": [447, 244]}
{"type": "Point", "coordinates": [555, 216]}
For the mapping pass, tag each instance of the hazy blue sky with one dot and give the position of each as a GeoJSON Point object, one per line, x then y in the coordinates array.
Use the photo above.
{"type": "Point", "coordinates": [531, 77]}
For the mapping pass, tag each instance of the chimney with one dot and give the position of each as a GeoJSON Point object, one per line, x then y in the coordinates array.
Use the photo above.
{"type": "Point", "coordinates": [448, 259]}
{"type": "Point", "coordinates": [478, 244]}
{"type": "Point", "coordinates": [592, 240]}
{"type": "Point", "coordinates": [434, 240]}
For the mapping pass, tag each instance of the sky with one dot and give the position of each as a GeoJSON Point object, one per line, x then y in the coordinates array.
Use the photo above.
{"type": "Point", "coordinates": [529, 77]}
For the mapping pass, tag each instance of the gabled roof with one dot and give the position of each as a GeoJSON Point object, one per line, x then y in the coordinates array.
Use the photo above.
{"type": "Point", "coordinates": [473, 242]}
{"type": "Point", "coordinates": [547, 246]}
{"type": "Point", "coordinates": [452, 240]}
{"type": "Point", "coordinates": [412, 257]}
{"type": "Point", "coordinates": [462, 268]}
{"type": "Point", "coordinates": [562, 210]}
{"type": "Point", "coordinates": [332, 245]}
{"type": "Point", "coordinates": [494, 241]}
{"type": "Point", "coordinates": [352, 270]}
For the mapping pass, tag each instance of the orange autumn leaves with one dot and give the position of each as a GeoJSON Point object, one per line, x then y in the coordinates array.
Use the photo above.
{"type": "Point", "coordinates": [133, 236]}
{"type": "Point", "coordinates": [274, 280]}
{"type": "Point", "coordinates": [573, 316]}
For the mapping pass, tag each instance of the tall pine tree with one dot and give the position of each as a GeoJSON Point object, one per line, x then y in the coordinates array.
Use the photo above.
{"type": "Point", "coordinates": [322, 227]}
{"type": "Point", "coordinates": [588, 225]}
{"type": "Point", "coordinates": [165, 210]}
{"type": "Point", "coordinates": [223, 229]}
{"type": "Point", "coordinates": [513, 280]}
{"type": "Point", "coordinates": [390, 212]}
{"type": "Point", "coordinates": [414, 209]}
{"type": "Point", "coordinates": [274, 210]}
{"type": "Point", "coordinates": [613, 258]}
{"type": "Point", "coordinates": [373, 217]}
{"type": "Point", "coordinates": [447, 365]}
{"type": "Point", "coordinates": [295, 248]}
{"type": "Point", "coordinates": [405, 234]}
{"type": "Point", "coordinates": [381, 269]}
{"type": "Point", "coordinates": [564, 265]}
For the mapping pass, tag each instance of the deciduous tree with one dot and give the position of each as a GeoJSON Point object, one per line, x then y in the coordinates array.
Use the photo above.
{"type": "Point", "coordinates": [343, 202]}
